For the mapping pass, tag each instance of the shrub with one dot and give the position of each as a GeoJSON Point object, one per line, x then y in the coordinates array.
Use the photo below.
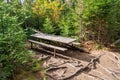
{"type": "Point", "coordinates": [12, 43]}
{"type": "Point", "coordinates": [69, 23]}
{"type": "Point", "coordinates": [114, 21]}
{"type": "Point", "coordinates": [47, 26]}
{"type": "Point", "coordinates": [48, 8]}
{"type": "Point", "coordinates": [100, 17]}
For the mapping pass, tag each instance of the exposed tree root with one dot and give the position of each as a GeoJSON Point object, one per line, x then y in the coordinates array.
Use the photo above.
{"type": "Point", "coordinates": [117, 72]}
{"type": "Point", "coordinates": [107, 77]}
{"type": "Point", "coordinates": [50, 76]}
{"type": "Point", "coordinates": [87, 67]}
{"type": "Point", "coordinates": [93, 78]}
{"type": "Point", "coordinates": [110, 72]}
{"type": "Point", "coordinates": [54, 68]}
{"type": "Point", "coordinates": [117, 77]}
{"type": "Point", "coordinates": [118, 63]}
{"type": "Point", "coordinates": [97, 77]}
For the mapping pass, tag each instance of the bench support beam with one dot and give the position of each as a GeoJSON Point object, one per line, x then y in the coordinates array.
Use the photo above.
{"type": "Point", "coordinates": [54, 52]}
{"type": "Point", "coordinates": [54, 48]}
{"type": "Point", "coordinates": [31, 45]}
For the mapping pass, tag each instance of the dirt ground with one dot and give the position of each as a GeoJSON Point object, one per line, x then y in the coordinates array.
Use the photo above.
{"type": "Point", "coordinates": [96, 65]}
{"type": "Point", "coordinates": [106, 67]}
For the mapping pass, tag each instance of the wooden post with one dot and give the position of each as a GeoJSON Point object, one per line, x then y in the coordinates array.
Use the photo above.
{"type": "Point", "coordinates": [31, 45]}
{"type": "Point", "coordinates": [54, 52]}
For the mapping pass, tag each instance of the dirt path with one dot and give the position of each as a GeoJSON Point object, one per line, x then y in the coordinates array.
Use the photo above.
{"type": "Point", "coordinates": [106, 68]}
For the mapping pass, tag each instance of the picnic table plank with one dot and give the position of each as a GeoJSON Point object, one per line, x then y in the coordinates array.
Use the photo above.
{"type": "Point", "coordinates": [48, 45]}
{"type": "Point", "coordinates": [53, 38]}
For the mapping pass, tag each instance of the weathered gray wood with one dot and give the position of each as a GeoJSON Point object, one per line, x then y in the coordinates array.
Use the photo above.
{"type": "Point", "coordinates": [75, 43]}
{"type": "Point", "coordinates": [48, 45]}
{"type": "Point", "coordinates": [53, 38]}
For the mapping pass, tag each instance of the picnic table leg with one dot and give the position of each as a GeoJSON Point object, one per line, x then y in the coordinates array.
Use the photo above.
{"type": "Point", "coordinates": [31, 45]}
{"type": "Point", "coordinates": [54, 52]}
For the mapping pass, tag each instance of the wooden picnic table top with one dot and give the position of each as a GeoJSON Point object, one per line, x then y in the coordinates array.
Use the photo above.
{"type": "Point", "coordinates": [53, 38]}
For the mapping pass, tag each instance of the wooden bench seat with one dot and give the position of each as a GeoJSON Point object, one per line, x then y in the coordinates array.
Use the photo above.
{"type": "Point", "coordinates": [48, 45]}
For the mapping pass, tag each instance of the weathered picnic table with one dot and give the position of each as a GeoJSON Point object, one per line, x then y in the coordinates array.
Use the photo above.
{"type": "Point", "coordinates": [53, 38]}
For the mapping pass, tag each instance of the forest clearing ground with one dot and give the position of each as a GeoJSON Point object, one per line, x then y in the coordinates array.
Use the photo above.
{"type": "Point", "coordinates": [108, 67]}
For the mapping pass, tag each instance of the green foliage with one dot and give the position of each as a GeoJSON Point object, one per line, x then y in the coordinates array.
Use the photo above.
{"type": "Point", "coordinates": [69, 23]}
{"type": "Point", "coordinates": [15, 8]}
{"type": "Point", "coordinates": [114, 21]}
{"type": "Point", "coordinates": [64, 26]}
{"type": "Point", "coordinates": [47, 26]}
{"type": "Point", "coordinates": [100, 17]}
{"type": "Point", "coordinates": [29, 21]}
{"type": "Point", "coordinates": [29, 31]}
{"type": "Point", "coordinates": [22, 11]}
{"type": "Point", "coordinates": [12, 51]}
{"type": "Point", "coordinates": [45, 8]}
{"type": "Point", "coordinates": [12, 41]}
{"type": "Point", "coordinates": [56, 17]}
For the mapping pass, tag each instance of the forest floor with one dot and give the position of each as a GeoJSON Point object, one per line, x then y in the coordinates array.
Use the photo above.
{"type": "Point", "coordinates": [96, 65]}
